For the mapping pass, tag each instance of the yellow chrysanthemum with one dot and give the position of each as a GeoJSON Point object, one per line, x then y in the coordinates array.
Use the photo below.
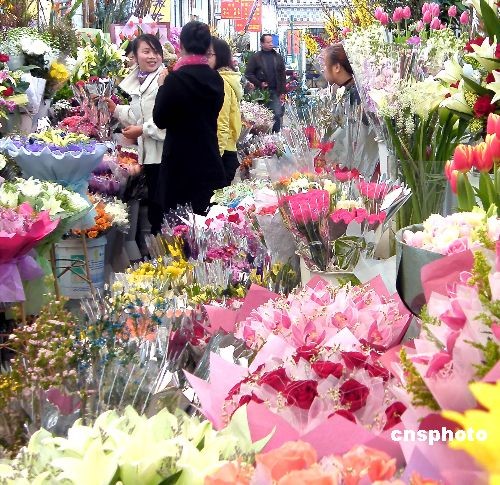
{"type": "Point", "coordinates": [58, 72]}
{"type": "Point", "coordinates": [487, 452]}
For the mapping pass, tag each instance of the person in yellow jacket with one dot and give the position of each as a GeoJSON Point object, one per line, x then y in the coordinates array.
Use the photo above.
{"type": "Point", "coordinates": [229, 121]}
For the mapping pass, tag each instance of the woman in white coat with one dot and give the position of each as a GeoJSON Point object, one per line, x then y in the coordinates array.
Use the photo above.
{"type": "Point", "coordinates": [137, 118]}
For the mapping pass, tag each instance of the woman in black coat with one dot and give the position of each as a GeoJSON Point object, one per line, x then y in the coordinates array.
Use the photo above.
{"type": "Point", "coordinates": [188, 105]}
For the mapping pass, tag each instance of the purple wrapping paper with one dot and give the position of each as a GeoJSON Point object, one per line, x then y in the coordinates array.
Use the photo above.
{"type": "Point", "coordinates": [12, 274]}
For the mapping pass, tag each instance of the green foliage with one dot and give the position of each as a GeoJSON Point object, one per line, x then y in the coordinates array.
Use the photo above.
{"type": "Point", "coordinates": [259, 96]}
{"type": "Point", "coordinates": [415, 385]}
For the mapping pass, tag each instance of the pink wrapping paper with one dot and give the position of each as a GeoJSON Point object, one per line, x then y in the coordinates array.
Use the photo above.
{"type": "Point", "coordinates": [256, 296]}
{"type": "Point", "coordinates": [220, 319]}
{"type": "Point", "coordinates": [438, 274]}
{"type": "Point", "coordinates": [334, 436]}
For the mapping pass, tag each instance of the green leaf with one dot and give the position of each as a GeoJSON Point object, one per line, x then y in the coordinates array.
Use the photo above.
{"type": "Point", "coordinates": [465, 194]}
{"type": "Point", "coordinates": [474, 86]}
{"type": "Point", "coordinates": [172, 479]}
{"type": "Point", "coordinates": [490, 20]}
{"type": "Point", "coordinates": [74, 9]}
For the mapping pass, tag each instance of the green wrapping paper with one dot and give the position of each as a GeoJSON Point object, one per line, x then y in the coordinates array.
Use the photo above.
{"type": "Point", "coordinates": [409, 263]}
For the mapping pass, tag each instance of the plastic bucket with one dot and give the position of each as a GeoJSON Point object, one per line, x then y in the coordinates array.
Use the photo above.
{"type": "Point", "coordinates": [70, 254]}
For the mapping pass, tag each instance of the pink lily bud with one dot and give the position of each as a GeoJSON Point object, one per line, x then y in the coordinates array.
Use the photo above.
{"type": "Point", "coordinates": [435, 24]}
{"type": "Point", "coordinates": [406, 12]}
{"type": "Point", "coordinates": [435, 10]}
{"type": "Point", "coordinates": [384, 18]}
{"type": "Point", "coordinates": [397, 16]}
{"type": "Point", "coordinates": [452, 11]}
{"type": "Point", "coordinates": [420, 26]}
{"type": "Point", "coordinates": [464, 18]}
{"type": "Point", "coordinates": [427, 17]}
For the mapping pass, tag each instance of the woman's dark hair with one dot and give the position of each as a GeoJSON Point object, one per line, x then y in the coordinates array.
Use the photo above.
{"type": "Point", "coordinates": [223, 55]}
{"type": "Point", "coordinates": [335, 54]}
{"type": "Point", "coordinates": [151, 41]}
{"type": "Point", "coordinates": [195, 37]}
{"type": "Point", "coordinates": [130, 47]}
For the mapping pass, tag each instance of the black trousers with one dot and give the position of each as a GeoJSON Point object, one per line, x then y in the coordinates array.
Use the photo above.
{"type": "Point", "coordinates": [231, 164]}
{"type": "Point", "coordinates": [155, 213]}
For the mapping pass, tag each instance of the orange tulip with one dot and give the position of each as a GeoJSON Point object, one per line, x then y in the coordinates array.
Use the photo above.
{"type": "Point", "coordinates": [493, 147]}
{"type": "Point", "coordinates": [463, 158]}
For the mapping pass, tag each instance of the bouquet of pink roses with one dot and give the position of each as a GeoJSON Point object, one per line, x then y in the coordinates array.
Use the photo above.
{"type": "Point", "coordinates": [21, 229]}
{"type": "Point", "coordinates": [316, 313]}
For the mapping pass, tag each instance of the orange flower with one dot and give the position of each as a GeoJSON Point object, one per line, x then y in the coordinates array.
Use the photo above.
{"type": "Point", "coordinates": [463, 158]}
{"type": "Point", "coordinates": [417, 479]}
{"type": "Point", "coordinates": [232, 473]}
{"type": "Point", "coordinates": [311, 476]}
{"type": "Point", "coordinates": [362, 461]}
{"type": "Point", "coordinates": [294, 455]}
{"type": "Point", "coordinates": [92, 234]}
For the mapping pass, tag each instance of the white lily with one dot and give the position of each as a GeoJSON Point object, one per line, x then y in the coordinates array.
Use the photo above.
{"type": "Point", "coordinates": [495, 86]}
{"type": "Point", "coordinates": [456, 102]}
{"type": "Point", "coordinates": [95, 467]}
{"type": "Point", "coordinates": [485, 54]}
{"type": "Point", "coordinates": [452, 71]}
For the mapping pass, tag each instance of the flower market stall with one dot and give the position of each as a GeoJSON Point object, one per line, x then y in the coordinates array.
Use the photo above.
{"type": "Point", "coordinates": [332, 318]}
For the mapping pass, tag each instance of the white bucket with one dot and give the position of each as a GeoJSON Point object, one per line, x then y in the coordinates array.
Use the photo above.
{"type": "Point", "coordinates": [72, 283]}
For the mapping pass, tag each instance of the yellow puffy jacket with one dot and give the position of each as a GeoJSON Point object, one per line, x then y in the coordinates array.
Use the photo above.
{"type": "Point", "coordinates": [229, 121]}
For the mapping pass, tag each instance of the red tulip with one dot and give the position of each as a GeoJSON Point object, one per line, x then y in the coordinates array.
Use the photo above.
{"type": "Point", "coordinates": [482, 159]}
{"type": "Point", "coordinates": [463, 158]}
{"type": "Point", "coordinates": [493, 125]}
{"type": "Point", "coordinates": [451, 175]}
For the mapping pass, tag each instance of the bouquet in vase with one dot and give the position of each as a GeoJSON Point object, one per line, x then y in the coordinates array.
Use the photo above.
{"type": "Point", "coordinates": [405, 106]}
{"type": "Point", "coordinates": [335, 221]}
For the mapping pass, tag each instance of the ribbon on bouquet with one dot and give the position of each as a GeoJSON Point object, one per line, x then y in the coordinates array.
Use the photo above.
{"type": "Point", "coordinates": [11, 275]}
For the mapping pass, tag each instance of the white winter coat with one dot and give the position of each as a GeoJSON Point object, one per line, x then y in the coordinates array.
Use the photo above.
{"type": "Point", "coordinates": [140, 112]}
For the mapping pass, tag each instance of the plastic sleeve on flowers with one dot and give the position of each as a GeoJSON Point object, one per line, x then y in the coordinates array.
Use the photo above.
{"type": "Point", "coordinates": [123, 114]}
{"type": "Point", "coordinates": [150, 130]}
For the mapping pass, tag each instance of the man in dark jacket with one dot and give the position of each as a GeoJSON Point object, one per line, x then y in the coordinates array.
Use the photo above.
{"type": "Point", "coordinates": [266, 70]}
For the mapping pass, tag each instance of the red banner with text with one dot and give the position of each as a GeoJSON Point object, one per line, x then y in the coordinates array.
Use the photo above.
{"type": "Point", "coordinates": [230, 9]}
{"type": "Point", "coordinates": [246, 10]}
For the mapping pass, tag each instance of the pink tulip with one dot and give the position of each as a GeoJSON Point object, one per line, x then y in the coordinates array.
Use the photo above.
{"type": "Point", "coordinates": [425, 8]}
{"type": "Point", "coordinates": [384, 18]}
{"type": "Point", "coordinates": [420, 26]}
{"type": "Point", "coordinates": [435, 24]}
{"type": "Point", "coordinates": [378, 12]}
{"type": "Point", "coordinates": [464, 18]}
{"type": "Point", "coordinates": [397, 16]}
{"type": "Point", "coordinates": [435, 10]}
{"type": "Point", "coordinates": [443, 26]}
{"type": "Point", "coordinates": [452, 11]}
{"type": "Point", "coordinates": [406, 12]}
{"type": "Point", "coordinates": [427, 17]}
